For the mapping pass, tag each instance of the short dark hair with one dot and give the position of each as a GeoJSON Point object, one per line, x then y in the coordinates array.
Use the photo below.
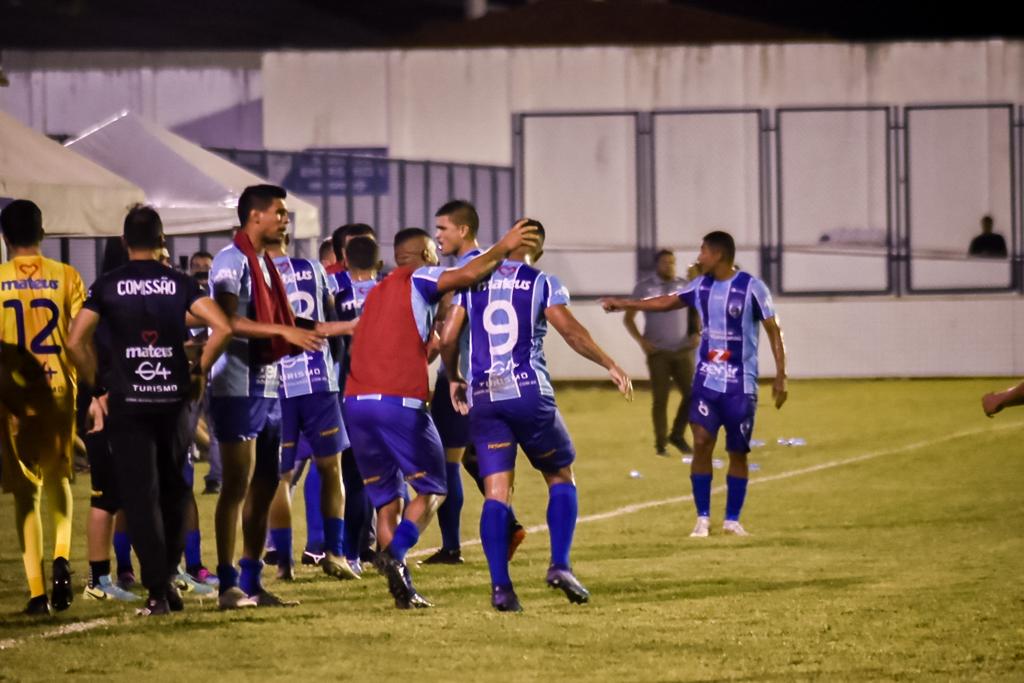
{"type": "Point", "coordinates": [257, 197]}
{"type": "Point", "coordinates": [326, 247]}
{"type": "Point", "coordinates": [200, 254]}
{"type": "Point", "coordinates": [663, 252]}
{"type": "Point", "coordinates": [532, 223]}
{"type": "Point", "coordinates": [143, 228]}
{"type": "Point", "coordinates": [349, 230]}
{"type": "Point", "coordinates": [406, 234]}
{"type": "Point", "coordinates": [362, 253]}
{"type": "Point", "coordinates": [722, 241]}
{"type": "Point", "coordinates": [22, 223]}
{"type": "Point", "coordinates": [462, 213]}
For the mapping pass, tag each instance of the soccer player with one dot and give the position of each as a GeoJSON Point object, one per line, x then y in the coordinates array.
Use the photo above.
{"type": "Point", "coordinates": [457, 227]}
{"type": "Point", "coordinates": [38, 299]}
{"type": "Point", "coordinates": [511, 403]}
{"type": "Point", "coordinates": [199, 266]}
{"type": "Point", "coordinates": [393, 436]}
{"type": "Point", "coordinates": [310, 408]}
{"type": "Point", "coordinates": [340, 237]}
{"type": "Point", "coordinates": [994, 402]}
{"type": "Point", "coordinates": [326, 254]}
{"type": "Point", "coordinates": [351, 287]}
{"type": "Point", "coordinates": [147, 306]}
{"type": "Point", "coordinates": [731, 304]}
{"type": "Point", "coordinates": [244, 388]}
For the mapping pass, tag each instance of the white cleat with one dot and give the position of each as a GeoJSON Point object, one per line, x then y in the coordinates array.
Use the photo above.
{"type": "Point", "coordinates": [734, 528]}
{"type": "Point", "coordinates": [702, 529]}
{"type": "Point", "coordinates": [235, 598]}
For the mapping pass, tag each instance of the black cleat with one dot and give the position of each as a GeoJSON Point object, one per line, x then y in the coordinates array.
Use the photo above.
{"type": "Point", "coordinates": [270, 557]}
{"type": "Point", "coordinates": [417, 601]}
{"type": "Point", "coordinates": [38, 606]}
{"type": "Point", "coordinates": [62, 593]}
{"type": "Point", "coordinates": [285, 572]}
{"type": "Point", "coordinates": [445, 556]}
{"type": "Point", "coordinates": [155, 607]}
{"type": "Point", "coordinates": [174, 601]}
{"type": "Point", "coordinates": [505, 599]}
{"type": "Point", "coordinates": [399, 580]}
{"type": "Point", "coordinates": [563, 579]}
{"type": "Point", "coordinates": [680, 443]}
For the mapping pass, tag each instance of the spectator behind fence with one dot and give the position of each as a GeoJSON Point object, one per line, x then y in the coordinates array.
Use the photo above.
{"type": "Point", "coordinates": [988, 244]}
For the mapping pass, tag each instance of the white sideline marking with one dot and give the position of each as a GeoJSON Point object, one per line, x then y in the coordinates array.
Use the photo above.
{"type": "Point", "coordinates": [66, 629]}
{"type": "Point", "coordinates": [81, 626]}
{"type": "Point", "coordinates": [638, 507]}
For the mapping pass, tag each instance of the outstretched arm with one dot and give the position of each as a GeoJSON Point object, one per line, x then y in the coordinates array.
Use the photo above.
{"type": "Point", "coordinates": [80, 346]}
{"type": "Point", "coordinates": [668, 302]}
{"type": "Point", "coordinates": [484, 264]}
{"type": "Point", "coordinates": [307, 340]}
{"type": "Point", "coordinates": [780, 389]}
{"type": "Point", "coordinates": [579, 339]}
{"type": "Point", "coordinates": [996, 401]}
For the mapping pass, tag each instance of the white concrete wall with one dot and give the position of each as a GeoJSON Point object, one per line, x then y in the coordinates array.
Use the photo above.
{"type": "Point", "coordinates": [926, 337]}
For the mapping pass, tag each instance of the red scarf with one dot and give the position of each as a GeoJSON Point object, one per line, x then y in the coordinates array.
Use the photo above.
{"type": "Point", "coordinates": [270, 303]}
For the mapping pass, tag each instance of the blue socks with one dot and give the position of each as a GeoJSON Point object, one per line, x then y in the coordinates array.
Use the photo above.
{"type": "Point", "coordinates": [334, 533]}
{"type": "Point", "coordinates": [193, 553]}
{"type": "Point", "coordinates": [562, 510]}
{"type": "Point", "coordinates": [405, 537]}
{"type": "Point", "coordinates": [123, 551]}
{"type": "Point", "coordinates": [227, 576]}
{"type": "Point", "coordinates": [249, 579]}
{"type": "Point", "coordinates": [449, 515]}
{"type": "Point", "coordinates": [282, 540]}
{"type": "Point", "coordinates": [701, 493]}
{"type": "Point", "coordinates": [494, 534]}
{"type": "Point", "coordinates": [314, 516]}
{"type": "Point", "coordinates": [734, 497]}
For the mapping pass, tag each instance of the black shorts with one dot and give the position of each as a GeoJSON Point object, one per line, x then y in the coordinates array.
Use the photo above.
{"type": "Point", "coordinates": [162, 438]}
{"type": "Point", "coordinates": [102, 475]}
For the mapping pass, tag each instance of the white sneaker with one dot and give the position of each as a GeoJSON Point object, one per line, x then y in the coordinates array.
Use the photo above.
{"type": "Point", "coordinates": [235, 598]}
{"type": "Point", "coordinates": [702, 528]}
{"type": "Point", "coordinates": [734, 528]}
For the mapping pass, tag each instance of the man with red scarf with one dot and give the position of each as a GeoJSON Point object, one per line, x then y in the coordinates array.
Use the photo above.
{"type": "Point", "coordinates": [243, 389]}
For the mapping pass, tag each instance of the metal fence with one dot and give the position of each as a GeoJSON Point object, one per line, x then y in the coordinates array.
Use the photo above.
{"type": "Point", "coordinates": [823, 201]}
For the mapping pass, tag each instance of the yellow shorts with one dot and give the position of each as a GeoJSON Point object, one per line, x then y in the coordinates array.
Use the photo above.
{"type": "Point", "coordinates": [36, 444]}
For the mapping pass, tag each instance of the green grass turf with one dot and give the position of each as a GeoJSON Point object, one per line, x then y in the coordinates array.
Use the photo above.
{"type": "Point", "coordinates": [903, 566]}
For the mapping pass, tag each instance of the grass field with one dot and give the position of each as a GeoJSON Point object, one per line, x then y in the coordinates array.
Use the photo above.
{"type": "Point", "coordinates": [889, 547]}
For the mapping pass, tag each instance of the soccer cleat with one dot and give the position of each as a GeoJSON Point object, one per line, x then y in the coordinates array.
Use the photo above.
{"type": "Point", "coordinates": [270, 557]}
{"type": "Point", "coordinates": [126, 580]}
{"type": "Point", "coordinates": [267, 599]}
{"type": "Point", "coordinates": [203, 575]}
{"type": "Point", "coordinates": [515, 539]}
{"type": "Point", "coordinates": [174, 601]}
{"type": "Point", "coordinates": [285, 572]}
{"type": "Point", "coordinates": [155, 607]}
{"type": "Point", "coordinates": [107, 590]}
{"type": "Point", "coordinates": [417, 601]}
{"type": "Point", "coordinates": [357, 567]}
{"type": "Point", "coordinates": [661, 452]}
{"type": "Point", "coordinates": [445, 556]}
{"type": "Point", "coordinates": [397, 575]}
{"type": "Point", "coordinates": [62, 594]}
{"type": "Point", "coordinates": [505, 599]}
{"type": "Point", "coordinates": [311, 558]}
{"type": "Point", "coordinates": [734, 528]}
{"type": "Point", "coordinates": [680, 443]}
{"type": "Point", "coordinates": [38, 606]}
{"type": "Point", "coordinates": [235, 598]}
{"type": "Point", "coordinates": [338, 567]}
{"type": "Point", "coordinates": [702, 529]}
{"type": "Point", "coordinates": [186, 583]}
{"type": "Point", "coordinates": [563, 579]}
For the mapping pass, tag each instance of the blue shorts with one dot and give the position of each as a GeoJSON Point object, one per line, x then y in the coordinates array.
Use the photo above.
{"type": "Point", "coordinates": [241, 418]}
{"type": "Point", "coordinates": [317, 418]}
{"type": "Point", "coordinates": [393, 442]}
{"type": "Point", "coordinates": [451, 425]}
{"type": "Point", "coordinates": [713, 410]}
{"type": "Point", "coordinates": [533, 422]}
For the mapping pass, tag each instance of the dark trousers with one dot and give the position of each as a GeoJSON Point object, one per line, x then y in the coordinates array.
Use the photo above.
{"type": "Point", "coordinates": [668, 368]}
{"type": "Point", "coordinates": [149, 451]}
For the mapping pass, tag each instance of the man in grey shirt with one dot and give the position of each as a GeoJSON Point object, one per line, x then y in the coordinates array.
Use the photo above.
{"type": "Point", "coordinates": [668, 341]}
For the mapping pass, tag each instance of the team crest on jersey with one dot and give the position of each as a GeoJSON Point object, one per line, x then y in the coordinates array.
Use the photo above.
{"type": "Point", "coordinates": [507, 270]}
{"type": "Point", "coordinates": [735, 309]}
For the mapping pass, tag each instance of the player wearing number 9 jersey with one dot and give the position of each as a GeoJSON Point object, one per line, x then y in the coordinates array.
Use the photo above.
{"type": "Point", "coordinates": [38, 299]}
{"type": "Point", "coordinates": [511, 404]}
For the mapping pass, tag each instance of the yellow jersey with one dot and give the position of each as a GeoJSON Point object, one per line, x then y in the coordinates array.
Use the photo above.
{"type": "Point", "coordinates": [38, 299]}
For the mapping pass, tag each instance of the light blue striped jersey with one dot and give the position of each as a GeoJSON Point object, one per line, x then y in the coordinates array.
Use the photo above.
{"type": "Point", "coordinates": [235, 373]}
{"type": "Point", "coordinates": [349, 297]}
{"type": "Point", "coordinates": [464, 336]}
{"type": "Point", "coordinates": [506, 331]}
{"type": "Point", "coordinates": [309, 372]}
{"type": "Point", "coordinates": [731, 312]}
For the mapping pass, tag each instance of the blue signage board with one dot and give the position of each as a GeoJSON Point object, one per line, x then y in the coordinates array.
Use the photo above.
{"type": "Point", "coordinates": [332, 171]}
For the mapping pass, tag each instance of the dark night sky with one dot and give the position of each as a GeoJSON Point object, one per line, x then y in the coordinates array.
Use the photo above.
{"type": "Point", "coordinates": [243, 24]}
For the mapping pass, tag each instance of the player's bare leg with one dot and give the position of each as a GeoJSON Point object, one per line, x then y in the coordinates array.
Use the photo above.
{"type": "Point", "coordinates": [332, 507]}
{"type": "Point", "coordinates": [700, 478]}
{"type": "Point", "coordinates": [739, 473]}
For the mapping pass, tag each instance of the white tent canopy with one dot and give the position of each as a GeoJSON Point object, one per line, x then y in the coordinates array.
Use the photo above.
{"type": "Point", "coordinates": [194, 190]}
{"type": "Point", "coordinates": [77, 197]}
